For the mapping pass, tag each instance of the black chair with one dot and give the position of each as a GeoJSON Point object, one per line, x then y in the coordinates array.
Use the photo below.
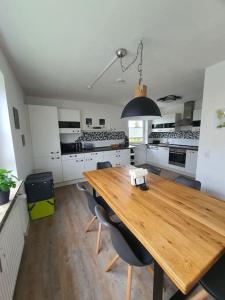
{"type": "Point", "coordinates": [192, 183]}
{"type": "Point", "coordinates": [128, 248]}
{"type": "Point", "coordinates": [92, 202]}
{"type": "Point", "coordinates": [213, 282]}
{"type": "Point", "coordinates": [104, 165]}
{"type": "Point", "coordinates": [154, 170]}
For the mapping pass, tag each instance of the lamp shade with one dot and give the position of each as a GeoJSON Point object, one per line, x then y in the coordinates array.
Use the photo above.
{"type": "Point", "coordinates": [141, 107]}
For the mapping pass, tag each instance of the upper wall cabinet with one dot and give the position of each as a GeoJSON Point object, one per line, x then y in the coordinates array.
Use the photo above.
{"type": "Point", "coordinates": [197, 115]}
{"type": "Point", "coordinates": [166, 123]}
{"type": "Point", "coordinates": [69, 121]}
{"type": "Point", "coordinates": [44, 130]}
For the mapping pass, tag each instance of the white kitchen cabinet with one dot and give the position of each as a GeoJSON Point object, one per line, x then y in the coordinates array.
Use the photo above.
{"type": "Point", "coordinates": [197, 115]}
{"type": "Point", "coordinates": [69, 115]}
{"type": "Point", "coordinates": [158, 155]}
{"type": "Point", "coordinates": [118, 157]}
{"type": "Point", "coordinates": [191, 162]}
{"type": "Point", "coordinates": [140, 154]}
{"type": "Point", "coordinates": [73, 166]}
{"type": "Point", "coordinates": [44, 130]}
{"type": "Point", "coordinates": [124, 157]}
{"type": "Point", "coordinates": [91, 160]}
{"type": "Point", "coordinates": [51, 163]}
{"type": "Point", "coordinates": [11, 248]}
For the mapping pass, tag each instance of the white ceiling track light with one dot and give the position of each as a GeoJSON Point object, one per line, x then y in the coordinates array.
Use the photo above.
{"type": "Point", "coordinates": [120, 53]}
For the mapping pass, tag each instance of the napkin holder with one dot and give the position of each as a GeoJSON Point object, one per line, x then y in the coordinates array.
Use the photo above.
{"type": "Point", "coordinates": [137, 177]}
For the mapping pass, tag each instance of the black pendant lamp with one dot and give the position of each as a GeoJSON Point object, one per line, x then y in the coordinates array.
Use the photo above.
{"type": "Point", "coordinates": [141, 107]}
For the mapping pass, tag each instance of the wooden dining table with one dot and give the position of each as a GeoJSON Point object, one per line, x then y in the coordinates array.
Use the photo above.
{"type": "Point", "coordinates": [182, 228]}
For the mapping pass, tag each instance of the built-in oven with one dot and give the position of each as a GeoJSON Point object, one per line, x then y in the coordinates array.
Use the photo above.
{"type": "Point", "coordinates": [177, 157]}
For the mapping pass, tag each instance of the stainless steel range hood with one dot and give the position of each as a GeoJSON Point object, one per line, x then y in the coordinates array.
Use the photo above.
{"type": "Point", "coordinates": [187, 115]}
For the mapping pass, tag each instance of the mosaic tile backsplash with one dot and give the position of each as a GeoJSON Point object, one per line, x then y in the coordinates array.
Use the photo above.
{"type": "Point", "coordinates": [88, 136]}
{"type": "Point", "coordinates": [187, 134]}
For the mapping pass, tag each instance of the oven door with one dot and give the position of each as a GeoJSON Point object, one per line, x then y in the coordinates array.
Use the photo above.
{"type": "Point", "coordinates": [177, 157]}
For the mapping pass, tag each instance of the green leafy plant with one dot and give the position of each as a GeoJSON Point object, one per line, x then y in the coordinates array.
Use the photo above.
{"type": "Point", "coordinates": [6, 180]}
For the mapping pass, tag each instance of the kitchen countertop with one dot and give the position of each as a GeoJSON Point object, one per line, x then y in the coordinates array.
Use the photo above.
{"type": "Point", "coordinates": [98, 149]}
{"type": "Point", "coordinates": [187, 147]}
{"type": "Point", "coordinates": [6, 208]}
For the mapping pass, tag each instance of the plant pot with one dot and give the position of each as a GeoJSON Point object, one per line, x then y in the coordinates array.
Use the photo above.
{"type": "Point", "coordinates": [4, 197]}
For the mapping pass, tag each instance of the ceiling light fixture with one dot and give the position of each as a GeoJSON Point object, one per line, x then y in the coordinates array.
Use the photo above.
{"type": "Point", "coordinates": [120, 53]}
{"type": "Point", "coordinates": [141, 107]}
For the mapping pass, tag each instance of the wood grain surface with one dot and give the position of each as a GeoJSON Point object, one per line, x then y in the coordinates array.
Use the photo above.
{"type": "Point", "coordinates": [182, 228]}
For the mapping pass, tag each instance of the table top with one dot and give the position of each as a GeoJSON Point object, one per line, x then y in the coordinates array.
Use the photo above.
{"type": "Point", "coordinates": [182, 228]}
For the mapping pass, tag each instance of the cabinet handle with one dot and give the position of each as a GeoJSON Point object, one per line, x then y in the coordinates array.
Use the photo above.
{"type": "Point", "coordinates": [52, 158]}
{"type": "Point", "coordinates": [52, 152]}
{"type": "Point", "coordinates": [1, 269]}
{"type": "Point", "coordinates": [57, 152]}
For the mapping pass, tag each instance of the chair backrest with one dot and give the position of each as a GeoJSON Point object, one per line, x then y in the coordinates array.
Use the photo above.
{"type": "Point", "coordinates": [104, 165]}
{"type": "Point", "coordinates": [192, 183]}
{"type": "Point", "coordinates": [154, 170]}
{"type": "Point", "coordinates": [91, 200]}
{"type": "Point", "coordinates": [120, 244]}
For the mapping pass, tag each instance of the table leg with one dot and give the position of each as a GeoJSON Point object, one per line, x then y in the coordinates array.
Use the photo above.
{"type": "Point", "coordinates": [158, 282]}
{"type": "Point", "coordinates": [94, 193]}
{"type": "Point", "coordinates": [180, 296]}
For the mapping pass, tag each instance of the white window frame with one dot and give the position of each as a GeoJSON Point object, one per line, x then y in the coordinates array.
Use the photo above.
{"type": "Point", "coordinates": [145, 132]}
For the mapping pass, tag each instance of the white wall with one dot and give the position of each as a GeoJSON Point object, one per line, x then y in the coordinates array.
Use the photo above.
{"type": "Point", "coordinates": [211, 158]}
{"type": "Point", "coordinates": [7, 157]}
{"type": "Point", "coordinates": [15, 98]}
{"type": "Point", "coordinates": [111, 112]}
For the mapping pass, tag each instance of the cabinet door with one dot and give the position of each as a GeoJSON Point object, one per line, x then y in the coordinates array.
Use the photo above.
{"type": "Point", "coordinates": [49, 164]}
{"type": "Point", "coordinates": [163, 156]}
{"type": "Point", "coordinates": [44, 130]}
{"type": "Point", "coordinates": [191, 161]}
{"type": "Point", "coordinates": [111, 156]}
{"type": "Point", "coordinates": [91, 160]}
{"type": "Point", "coordinates": [124, 157]}
{"type": "Point", "coordinates": [69, 115]}
{"type": "Point", "coordinates": [73, 169]}
{"type": "Point", "coordinates": [152, 155]}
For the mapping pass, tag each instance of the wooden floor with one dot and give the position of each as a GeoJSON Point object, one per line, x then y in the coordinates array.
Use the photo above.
{"type": "Point", "coordinates": [59, 260]}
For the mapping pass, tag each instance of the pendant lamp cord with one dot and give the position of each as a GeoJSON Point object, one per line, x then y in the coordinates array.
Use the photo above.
{"type": "Point", "coordinates": [140, 65]}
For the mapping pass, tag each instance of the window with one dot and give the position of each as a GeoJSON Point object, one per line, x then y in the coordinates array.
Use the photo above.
{"type": "Point", "coordinates": [136, 132]}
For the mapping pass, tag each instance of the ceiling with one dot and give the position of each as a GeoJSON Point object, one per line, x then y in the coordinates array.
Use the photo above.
{"type": "Point", "coordinates": [57, 47]}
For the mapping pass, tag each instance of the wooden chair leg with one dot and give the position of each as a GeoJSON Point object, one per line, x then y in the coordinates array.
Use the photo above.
{"type": "Point", "coordinates": [129, 282]}
{"type": "Point", "coordinates": [90, 223]}
{"type": "Point", "coordinates": [112, 263]}
{"type": "Point", "coordinates": [201, 295]}
{"type": "Point", "coordinates": [98, 238]}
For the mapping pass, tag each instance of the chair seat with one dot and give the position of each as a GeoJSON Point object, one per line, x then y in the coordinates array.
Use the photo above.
{"type": "Point", "coordinates": [142, 254]}
{"type": "Point", "coordinates": [102, 202]}
{"type": "Point", "coordinates": [214, 281]}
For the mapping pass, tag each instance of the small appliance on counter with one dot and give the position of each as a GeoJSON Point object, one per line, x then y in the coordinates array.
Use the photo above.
{"type": "Point", "coordinates": [71, 147]}
{"type": "Point", "coordinates": [39, 188]}
{"type": "Point", "coordinates": [88, 146]}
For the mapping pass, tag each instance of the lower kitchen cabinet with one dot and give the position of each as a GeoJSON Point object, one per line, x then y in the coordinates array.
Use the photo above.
{"type": "Point", "coordinates": [91, 160]}
{"type": "Point", "coordinates": [73, 166]}
{"type": "Point", "coordinates": [118, 157]}
{"type": "Point", "coordinates": [191, 161]}
{"type": "Point", "coordinates": [158, 155]}
{"type": "Point", "coordinates": [11, 248]}
{"type": "Point", "coordinates": [52, 164]}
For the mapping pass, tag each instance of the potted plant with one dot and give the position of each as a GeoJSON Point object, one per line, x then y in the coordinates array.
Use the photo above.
{"type": "Point", "coordinates": [6, 182]}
